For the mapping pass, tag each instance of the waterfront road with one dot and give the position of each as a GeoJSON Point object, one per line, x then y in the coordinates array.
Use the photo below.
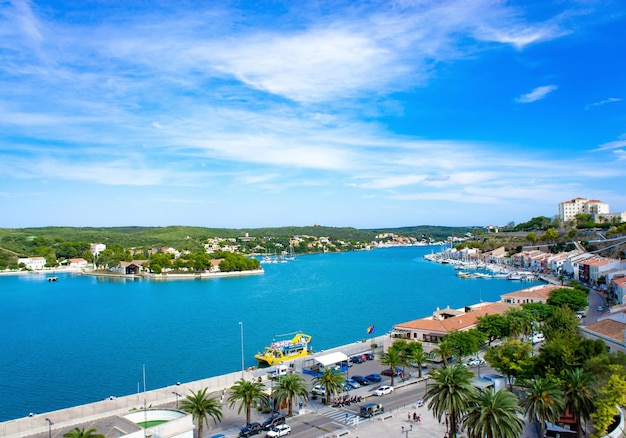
{"type": "Point", "coordinates": [316, 420]}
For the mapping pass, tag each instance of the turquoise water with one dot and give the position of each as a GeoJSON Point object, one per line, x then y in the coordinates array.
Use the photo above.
{"type": "Point", "coordinates": [83, 339]}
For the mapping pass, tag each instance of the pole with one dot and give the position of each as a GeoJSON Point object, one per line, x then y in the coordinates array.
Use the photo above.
{"type": "Point", "coordinates": [406, 431]}
{"type": "Point", "coordinates": [242, 357]}
{"type": "Point", "coordinates": [49, 428]}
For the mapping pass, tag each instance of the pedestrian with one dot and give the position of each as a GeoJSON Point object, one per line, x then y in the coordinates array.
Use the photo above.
{"type": "Point", "coordinates": [415, 417]}
{"type": "Point", "coordinates": [409, 414]}
{"type": "Point", "coordinates": [419, 419]}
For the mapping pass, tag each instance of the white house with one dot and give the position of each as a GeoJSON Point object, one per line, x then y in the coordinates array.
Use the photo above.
{"type": "Point", "coordinates": [97, 248]}
{"type": "Point", "coordinates": [33, 263]}
{"type": "Point", "coordinates": [77, 263]}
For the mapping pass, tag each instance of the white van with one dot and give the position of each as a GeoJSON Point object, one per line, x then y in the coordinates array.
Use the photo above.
{"type": "Point", "coordinates": [538, 338]}
{"type": "Point", "coordinates": [281, 370]}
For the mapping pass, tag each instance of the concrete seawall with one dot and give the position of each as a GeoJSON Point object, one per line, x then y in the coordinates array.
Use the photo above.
{"type": "Point", "coordinates": [70, 417]}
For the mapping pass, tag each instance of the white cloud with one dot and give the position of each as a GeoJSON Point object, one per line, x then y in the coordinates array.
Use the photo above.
{"type": "Point", "coordinates": [603, 102]}
{"type": "Point", "coordinates": [611, 145]}
{"type": "Point", "coordinates": [536, 94]}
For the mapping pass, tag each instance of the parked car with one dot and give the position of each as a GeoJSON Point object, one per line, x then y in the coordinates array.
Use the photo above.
{"type": "Point", "coordinates": [375, 378]}
{"type": "Point", "coordinates": [475, 361]}
{"type": "Point", "coordinates": [600, 308]}
{"type": "Point", "coordinates": [370, 356]}
{"type": "Point", "coordinates": [356, 359]}
{"type": "Point", "coordinates": [318, 390]}
{"type": "Point", "coordinates": [251, 429]}
{"type": "Point", "coordinates": [280, 430]}
{"type": "Point", "coordinates": [361, 380]}
{"type": "Point", "coordinates": [396, 372]}
{"type": "Point", "coordinates": [273, 421]}
{"type": "Point", "coordinates": [353, 383]}
{"type": "Point", "coordinates": [382, 390]}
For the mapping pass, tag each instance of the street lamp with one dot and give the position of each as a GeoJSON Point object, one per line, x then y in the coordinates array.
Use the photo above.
{"type": "Point", "coordinates": [177, 395]}
{"type": "Point", "coordinates": [50, 423]}
{"type": "Point", "coordinates": [242, 362]}
{"type": "Point", "coordinates": [407, 430]}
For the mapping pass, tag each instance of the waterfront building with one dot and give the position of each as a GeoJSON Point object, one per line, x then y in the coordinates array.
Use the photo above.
{"type": "Point", "coordinates": [130, 268]}
{"type": "Point", "coordinates": [34, 263]}
{"type": "Point", "coordinates": [535, 294]}
{"type": "Point", "coordinates": [432, 329]}
{"type": "Point", "coordinates": [77, 262]}
{"type": "Point", "coordinates": [591, 269]}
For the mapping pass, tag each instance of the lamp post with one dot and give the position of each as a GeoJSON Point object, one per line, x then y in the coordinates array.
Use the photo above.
{"type": "Point", "coordinates": [532, 337]}
{"type": "Point", "coordinates": [177, 395]}
{"type": "Point", "coordinates": [49, 427]}
{"type": "Point", "coordinates": [406, 431]}
{"type": "Point", "coordinates": [242, 361]}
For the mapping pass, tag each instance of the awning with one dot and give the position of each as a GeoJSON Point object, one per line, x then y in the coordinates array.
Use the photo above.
{"type": "Point", "coordinates": [332, 358]}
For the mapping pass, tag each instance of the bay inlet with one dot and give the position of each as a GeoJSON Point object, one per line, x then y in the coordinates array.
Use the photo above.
{"type": "Point", "coordinates": [82, 339]}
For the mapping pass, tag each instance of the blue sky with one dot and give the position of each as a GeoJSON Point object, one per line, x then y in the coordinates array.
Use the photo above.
{"type": "Point", "coordinates": [270, 113]}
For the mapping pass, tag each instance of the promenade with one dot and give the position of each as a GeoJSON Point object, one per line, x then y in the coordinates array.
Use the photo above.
{"type": "Point", "coordinates": [312, 420]}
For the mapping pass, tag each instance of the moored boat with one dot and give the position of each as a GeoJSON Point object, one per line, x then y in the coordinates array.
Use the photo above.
{"type": "Point", "coordinates": [284, 350]}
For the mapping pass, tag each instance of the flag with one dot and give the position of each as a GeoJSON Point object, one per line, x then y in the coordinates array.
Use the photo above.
{"type": "Point", "coordinates": [370, 329]}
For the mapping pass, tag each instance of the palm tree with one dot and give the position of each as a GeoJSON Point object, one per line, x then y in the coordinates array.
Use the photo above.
{"type": "Point", "coordinates": [291, 386]}
{"type": "Point", "coordinates": [250, 394]}
{"type": "Point", "coordinates": [520, 322]}
{"type": "Point", "coordinates": [544, 402]}
{"type": "Point", "coordinates": [202, 407]}
{"type": "Point", "coordinates": [82, 433]}
{"type": "Point", "coordinates": [493, 414]}
{"type": "Point", "coordinates": [419, 357]}
{"type": "Point", "coordinates": [392, 358]}
{"type": "Point", "coordinates": [450, 394]}
{"type": "Point", "coordinates": [578, 398]}
{"type": "Point", "coordinates": [331, 381]}
{"type": "Point", "coordinates": [444, 351]}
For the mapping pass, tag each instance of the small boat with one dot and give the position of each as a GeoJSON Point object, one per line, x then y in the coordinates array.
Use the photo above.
{"type": "Point", "coordinates": [283, 350]}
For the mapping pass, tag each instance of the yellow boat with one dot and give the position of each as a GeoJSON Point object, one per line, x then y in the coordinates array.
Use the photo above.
{"type": "Point", "coordinates": [281, 351]}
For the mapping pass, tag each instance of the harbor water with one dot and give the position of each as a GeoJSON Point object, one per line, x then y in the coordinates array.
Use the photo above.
{"type": "Point", "coordinates": [82, 339]}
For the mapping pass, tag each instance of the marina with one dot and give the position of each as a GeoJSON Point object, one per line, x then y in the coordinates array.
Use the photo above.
{"type": "Point", "coordinates": [187, 331]}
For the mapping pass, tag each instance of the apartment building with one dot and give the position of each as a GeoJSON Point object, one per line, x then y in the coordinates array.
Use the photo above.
{"type": "Point", "coordinates": [569, 209]}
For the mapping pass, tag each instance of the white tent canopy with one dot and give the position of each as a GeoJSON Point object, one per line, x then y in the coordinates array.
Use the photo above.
{"type": "Point", "coordinates": [332, 358]}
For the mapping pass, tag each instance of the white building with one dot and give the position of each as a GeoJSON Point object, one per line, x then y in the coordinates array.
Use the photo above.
{"type": "Point", "coordinates": [97, 248]}
{"type": "Point", "coordinates": [77, 262]}
{"type": "Point", "coordinates": [569, 209]}
{"type": "Point", "coordinates": [33, 263]}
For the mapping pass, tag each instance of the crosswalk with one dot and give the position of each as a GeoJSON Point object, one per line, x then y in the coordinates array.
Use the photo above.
{"type": "Point", "coordinates": [344, 415]}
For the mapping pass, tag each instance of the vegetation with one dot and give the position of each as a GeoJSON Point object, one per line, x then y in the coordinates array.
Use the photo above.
{"type": "Point", "coordinates": [543, 402]}
{"type": "Point", "coordinates": [291, 387]}
{"type": "Point", "coordinates": [249, 394]}
{"type": "Point", "coordinates": [574, 298]}
{"type": "Point", "coordinates": [393, 358]}
{"type": "Point", "coordinates": [331, 381]}
{"type": "Point", "coordinates": [493, 414]}
{"type": "Point", "coordinates": [202, 408]}
{"type": "Point", "coordinates": [82, 433]}
{"type": "Point", "coordinates": [450, 394]}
